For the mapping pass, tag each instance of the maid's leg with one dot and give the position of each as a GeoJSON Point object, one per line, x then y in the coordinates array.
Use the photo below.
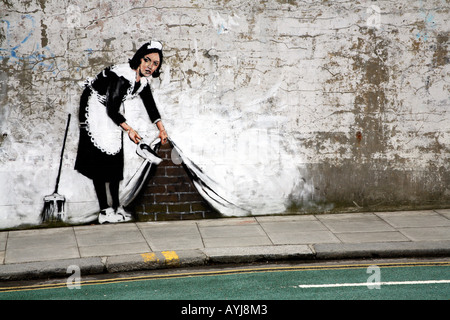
{"type": "Point", "coordinates": [100, 189]}
{"type": "Point", "coordinates": [114, 191]}
{"type": "Point", "coordinates": [107, 214]}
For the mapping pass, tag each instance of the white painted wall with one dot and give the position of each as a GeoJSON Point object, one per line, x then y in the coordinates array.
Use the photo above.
{"type": "Point", "coordinates": [290, 105]}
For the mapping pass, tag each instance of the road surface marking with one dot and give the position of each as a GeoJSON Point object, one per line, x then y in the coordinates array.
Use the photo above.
{"type": "Point", "coordinates": [365, 284]}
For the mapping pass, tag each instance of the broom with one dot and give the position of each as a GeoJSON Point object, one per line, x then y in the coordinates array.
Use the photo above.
{"type": "Point", "coordinates": [54, 204]}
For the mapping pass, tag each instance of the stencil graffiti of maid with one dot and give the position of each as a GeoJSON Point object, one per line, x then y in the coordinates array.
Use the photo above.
{"type": "Point", "coordinates": [100, 155]}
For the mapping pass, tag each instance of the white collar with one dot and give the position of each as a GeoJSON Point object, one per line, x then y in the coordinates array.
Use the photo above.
{"type": "Point", "coordinates": [124, 70]}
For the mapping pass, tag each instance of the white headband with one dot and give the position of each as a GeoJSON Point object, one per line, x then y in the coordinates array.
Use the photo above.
{"type": "Point", "coordinates": [155, 45]}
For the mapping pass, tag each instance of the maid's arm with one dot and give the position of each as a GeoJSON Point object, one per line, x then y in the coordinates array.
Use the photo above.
{"type": "Point", "coordinates": [153, 113]}
{"type": "Point", "coordinates": [117, 88]}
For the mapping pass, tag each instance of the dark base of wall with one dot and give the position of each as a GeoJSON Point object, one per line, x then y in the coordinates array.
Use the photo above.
{"type": "Point", "coordinates": [371, 187]}
{"type": "Point", "coordinates": [322, 208]}
{"type": "Point", "coordinates": [145, 217]}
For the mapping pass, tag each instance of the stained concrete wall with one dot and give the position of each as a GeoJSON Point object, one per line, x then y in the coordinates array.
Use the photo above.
{"type": "Point", "coordinates": [336, 103]}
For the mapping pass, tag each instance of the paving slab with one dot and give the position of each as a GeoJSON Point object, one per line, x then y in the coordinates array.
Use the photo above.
{"type": "Point", "coordinates": [366, 222]}
{"type": "Point", "coordinates": [305, 237]}
{"type": "Point", "coordinates": [108, 240]}
{"type": "Point", "coordinates": [347, 216]}
{"type": "Point", "coordinates": [174, 242]}
{"type": "Point", "coordinates": [171, 236]}
{"type": "Point", "coordinates": [287, 217]}
{"type": "Point", "coordinates": [48, 253]}
{"type": "Point", "coordinates": [304, 230]}
{"type": "Point", "coordinates": [108, 234]}
{"type": "Point", "coordinates": [241, 234]}
{"type": "Point", "coordinates": [41, 245]}
{"type": "Point", "coordinates": [444, 212]}
{"type": "Point", "coordinates": [405, 219]}
{"type": "Point", "coordinates": [3, 237]}
{"type": "Point", "coordinates": [292, 226]}
{"type": "Point", "coordinates": [227, 231]}
{"type": "Point", "coordinates": [360, 237]}
{"type": "Point", "coordinates": [427, 234]}
{"type": "Point", "coordinates": [242, 241]}
{"type": "Point", "coordinates": [41, 237]}
{"type": "Point", "coordinates": [227, 222]}
{"type": "Point", "coordinates": [113, 249]}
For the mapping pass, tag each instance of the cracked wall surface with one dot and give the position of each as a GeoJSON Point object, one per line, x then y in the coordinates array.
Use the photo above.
{"type": "Point", "coordinates": [295, 106]}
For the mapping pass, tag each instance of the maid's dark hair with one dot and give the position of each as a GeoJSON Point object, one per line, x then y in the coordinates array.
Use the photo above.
{"type": "Point", "coordinates": [141, 53]}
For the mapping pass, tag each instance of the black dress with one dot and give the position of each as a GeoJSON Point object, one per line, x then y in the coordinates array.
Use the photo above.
{"type": "Point", "coordinates": [100, 148]}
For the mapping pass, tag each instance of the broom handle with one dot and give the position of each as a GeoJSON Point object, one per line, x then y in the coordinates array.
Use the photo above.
{"type": "Point", "coordinates": [62, 153]}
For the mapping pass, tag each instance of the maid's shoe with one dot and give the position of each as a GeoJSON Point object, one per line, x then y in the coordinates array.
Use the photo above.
{"type": "Point", "coordinates": [126, 215]}
{"type": "Point", "coordinates": [110, 216]}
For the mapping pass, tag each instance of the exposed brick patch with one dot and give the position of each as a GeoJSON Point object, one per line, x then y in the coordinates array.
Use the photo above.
{"type": "Point", "coordinates": [170, 194]}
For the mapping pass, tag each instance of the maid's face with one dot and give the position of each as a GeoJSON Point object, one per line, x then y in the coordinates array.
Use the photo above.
{"type": "Point", "coordinates": [149, 64]}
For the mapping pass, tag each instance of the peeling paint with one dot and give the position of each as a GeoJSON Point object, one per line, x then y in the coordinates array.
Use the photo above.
{"type": "Point", "coordinates": [440, 56]}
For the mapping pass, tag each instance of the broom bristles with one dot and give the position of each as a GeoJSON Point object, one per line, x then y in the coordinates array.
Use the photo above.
{"type": "Point", "coordinates": [53, 208]}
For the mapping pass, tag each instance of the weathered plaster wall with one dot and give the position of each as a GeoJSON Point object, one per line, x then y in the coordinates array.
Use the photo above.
{"type": "Point", "coordinates": [293, 105]}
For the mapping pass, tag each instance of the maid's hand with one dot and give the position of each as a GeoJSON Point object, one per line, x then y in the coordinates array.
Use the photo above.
{"type": "Point", "coordinates": [134, 136]}
{"type": "Point", "coordinates": [163, 136]}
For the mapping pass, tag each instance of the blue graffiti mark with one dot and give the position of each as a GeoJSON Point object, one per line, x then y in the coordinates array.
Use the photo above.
{"type": "Point", "coordinates": [8, 30]}
{"type": "Point", "coordinates": [89, 52]}
{"type": "Point", "coordinates": [430, 24]}
{"type": "Point", "coordinates": [37, 58]}
{"type": "Point", "coordinates": [221, 30]}
{"type": "Point", "coordinates": [33, 23]}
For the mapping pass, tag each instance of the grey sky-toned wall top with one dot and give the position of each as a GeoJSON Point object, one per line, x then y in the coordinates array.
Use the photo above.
{"type": "Point", "coordinates": [289, 106]}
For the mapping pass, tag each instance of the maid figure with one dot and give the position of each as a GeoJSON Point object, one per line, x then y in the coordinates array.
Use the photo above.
{"type": "Point", "coordinates": [100, 154]}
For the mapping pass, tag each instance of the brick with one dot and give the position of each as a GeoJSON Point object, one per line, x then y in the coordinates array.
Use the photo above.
{"type": "Point", "coordinates": [166, 146]}
{"type": "Point", "coordinates": [139, 209]}
{"type": "Point", "coordinates": [160, 216]}
{"type": "Point", "coordinates": [191, 196]}
{"type": "Point", "coordinates": [156, 208]}
{"type": "Point", "coordinates": [178, 216]}
{"type": "Point", "coordinates": [155, 189]}
{"type": "Point", "coordinates": [175, 171]}
{"type": "Point", "coordinates": [166, 198]}
{"type": "Point", "coordinates": [183, 207]}
{"type": "Point", "coordinates": [181, 187]}
{"type": "Point", "coordinates": [165, 154]}
{"type": "Point", "coordinates": [148, 199]}
{"type": "Point", "coordinates": [167, 180]}
{"type": "Point", "coordinates": [200, 207]}
{"type": "Point", "coordinates": [160, 171]}
{"type": "Point", "coordinates": [165, 163]}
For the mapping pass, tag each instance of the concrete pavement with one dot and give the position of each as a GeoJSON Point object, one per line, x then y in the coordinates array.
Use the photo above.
{"type": "Point", "coordinates": [132, 246]}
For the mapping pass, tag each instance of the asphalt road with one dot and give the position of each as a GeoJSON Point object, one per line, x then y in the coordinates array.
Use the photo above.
{"type": "Point", "coordinates": [361, 280]}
